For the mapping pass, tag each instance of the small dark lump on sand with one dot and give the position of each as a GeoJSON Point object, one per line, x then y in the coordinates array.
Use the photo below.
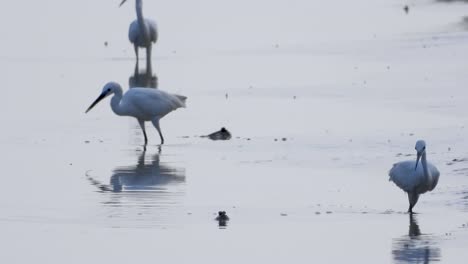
{"type": "Point", "coordinates": [222, 134]}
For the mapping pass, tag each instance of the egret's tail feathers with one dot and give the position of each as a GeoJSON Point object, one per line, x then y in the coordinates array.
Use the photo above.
{"type": "Point", "coordinates": [182, 99]}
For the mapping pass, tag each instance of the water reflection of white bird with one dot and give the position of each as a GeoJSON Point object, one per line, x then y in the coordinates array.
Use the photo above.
{"type": "Point", "coordinates": [142, 32]}
{"type": "Point", "coordinates": [144, 78]}
{"type": "Point", "coordinates": [413, 179]}
{"type": "Point", "coordinates": [415, 247]}
{"type": "Point", "coordinates": [146, 177]}
{"type": "Point", "coordinates": [142, 103]}
{"type": "Point", "coordinates": [145, 194]}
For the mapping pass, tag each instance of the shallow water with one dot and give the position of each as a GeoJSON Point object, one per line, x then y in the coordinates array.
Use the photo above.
{"type": "Point", "coordinates": [321, 99]}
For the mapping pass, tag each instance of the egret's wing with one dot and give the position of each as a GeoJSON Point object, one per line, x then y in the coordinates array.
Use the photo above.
{"type": "Point", "coordinates": [405, 176]}
{"type": "Point", "coordinates": [133, 31]}
{"type": "Point", "coordinates": [435, 175]}
{"type": "Point", "coordinates": [134, 34]}
{"type": "Point", "coordinates": [153, 29]}
{"type": "Point", "coordinates": [154, 102]}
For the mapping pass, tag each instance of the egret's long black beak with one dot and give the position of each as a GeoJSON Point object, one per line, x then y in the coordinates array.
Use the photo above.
{"type": "Point", "coordinates": [417, 161]}
{"type": "Point", "coordinates": [102, 96]}
{"type": "Point", "coordinates": [123, 1]}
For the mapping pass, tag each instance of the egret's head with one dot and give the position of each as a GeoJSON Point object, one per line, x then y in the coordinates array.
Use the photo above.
{"type": "Point", "coordinates": [420, 149]}
{"type": "Point", "coordinates": [123, 1]}
{"type": "Point", "coordinates": [107, 90]}
{"type": "Point", "coordinates": [420, 146]}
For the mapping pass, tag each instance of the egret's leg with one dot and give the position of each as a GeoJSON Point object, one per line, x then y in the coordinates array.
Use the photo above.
{"type": "Point", "coordinates": [148, 58]}
{"type": "Point", "coordinates": [156, 125]}
{"type": "Point", "coordinates": [413, 199]}
{"type": "Point", "coordinates": [142, 125]}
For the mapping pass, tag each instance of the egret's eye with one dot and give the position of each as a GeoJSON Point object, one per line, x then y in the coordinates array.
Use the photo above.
{"type": "Point", "coordinates": [108, 90]}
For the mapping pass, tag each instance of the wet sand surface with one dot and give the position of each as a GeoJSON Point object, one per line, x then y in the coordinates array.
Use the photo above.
{"type": "Point", "coordinates": [321, 99]}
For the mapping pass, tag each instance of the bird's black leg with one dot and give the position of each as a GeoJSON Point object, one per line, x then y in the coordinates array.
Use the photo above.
{"type": "Point", "coordinates": [413, 199]}
{"type": "Point", "coordinates": [142, 125]}
{"type": "Point", "coordinates": [156, 125]}
{"type": "Point", "coordinates": [146, 138]}
{"type": "Point", "coordinates": [162, 138]}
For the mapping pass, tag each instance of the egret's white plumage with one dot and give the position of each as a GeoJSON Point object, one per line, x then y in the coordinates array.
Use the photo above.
{"type": "Point", "coordinates": [137, 36]}
{"type": "Point", "coordinates": [144, 104]}
{"type": "Point", "coordinates": [414, 179]}
{"type": "Point", "coordinates": [142, 32]}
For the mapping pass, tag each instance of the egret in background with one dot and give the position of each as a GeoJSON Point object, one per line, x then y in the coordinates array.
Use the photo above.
{"type": "Point", "coordinates": [142, 103]}
{"type": "Point", "coordinates": [414, 179]}
{"type": "Point", "coordinates": [142, 32]}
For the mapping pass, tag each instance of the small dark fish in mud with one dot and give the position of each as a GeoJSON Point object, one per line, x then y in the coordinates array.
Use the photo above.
{"type": "Point", "coordinates": [222, 218]}
{"type": "Point", "coordinates": [222, 134]}
{"type": "Point", "coordinates": [406, 8]}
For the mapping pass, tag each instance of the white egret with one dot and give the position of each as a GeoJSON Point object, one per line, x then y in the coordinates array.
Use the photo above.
{"type": "Point", "coordinates": [145, 104]}
{"type": "Point", "coordinates": [413, 179]}
{"type": "Point", "coordinates": [142, 32]}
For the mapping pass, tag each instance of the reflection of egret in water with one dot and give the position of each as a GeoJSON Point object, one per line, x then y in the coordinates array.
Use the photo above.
{"type": "Point", "coordinates": [415, 247]}
{"type": "Point", "coordinates": [145, 194]}
{"type": "Point", "coordinates": [143, 78]}
{"type": "Point", "coordinates": [142, 177]}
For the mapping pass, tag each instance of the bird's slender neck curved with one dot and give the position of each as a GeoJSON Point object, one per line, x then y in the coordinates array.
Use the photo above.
{"type": "Point", "coordinates": [424, 165]}
{"type": "Point", "coordinates": [115, 102]}
{"type": "Point", "coordinates": [140, 18]}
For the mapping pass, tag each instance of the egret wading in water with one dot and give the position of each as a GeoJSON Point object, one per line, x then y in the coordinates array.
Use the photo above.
{"type": "Point", "coordinates": [142, 32]}
{"type": "Point", "coordinates": [413, 177]}
{"type": "Point", "coordinates": [144, 104]}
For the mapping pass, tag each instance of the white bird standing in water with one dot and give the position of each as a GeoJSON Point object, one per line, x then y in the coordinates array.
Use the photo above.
{"type": "Point", "coordinates": [144, 104]}
{"type": "Point", "coordinates": [142, 32]}
{"type": "Point", "coordinates": [414, 179]}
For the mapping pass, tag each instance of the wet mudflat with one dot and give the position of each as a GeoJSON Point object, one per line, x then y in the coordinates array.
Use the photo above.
{"type": "Point", "coordinates": [321, 99]}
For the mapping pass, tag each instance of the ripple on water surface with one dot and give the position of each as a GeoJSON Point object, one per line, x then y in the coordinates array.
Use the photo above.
{"type": "Point", "coordinates": [142, 195]}
{"type": "Point", "coordinates": [415, 247]}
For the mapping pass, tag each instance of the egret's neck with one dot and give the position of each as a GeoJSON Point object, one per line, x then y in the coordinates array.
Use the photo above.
{"type": "Point", "coordinates": [140, 19]}
{"type": "Point", "coordinates": [424, 164]}
{"type": "Point", "coordinates": [115, 103]}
